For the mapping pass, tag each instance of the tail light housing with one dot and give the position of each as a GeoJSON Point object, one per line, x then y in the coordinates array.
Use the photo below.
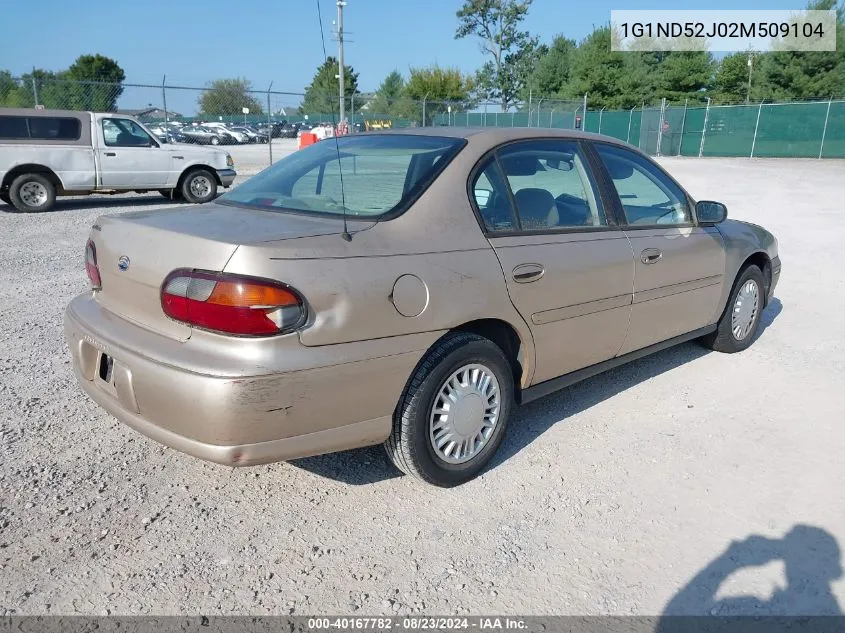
{"type": "Point", "coordinates": [91, 267]}
{"type": "Point", "coordinates": [232, 304]}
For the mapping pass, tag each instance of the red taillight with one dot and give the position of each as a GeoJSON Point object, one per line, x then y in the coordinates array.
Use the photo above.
{"type": "Point", "coordinates": [232, 304]}
{"type": "Point", "coordinates": [91, 265]}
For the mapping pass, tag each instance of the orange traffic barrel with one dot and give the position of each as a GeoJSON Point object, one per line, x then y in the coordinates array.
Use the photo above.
{"type": "Point", "coordinates": [307, 138]}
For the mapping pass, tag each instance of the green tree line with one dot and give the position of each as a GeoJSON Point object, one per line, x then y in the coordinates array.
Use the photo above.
{"type": "Point", "coordinates": [92, 82]}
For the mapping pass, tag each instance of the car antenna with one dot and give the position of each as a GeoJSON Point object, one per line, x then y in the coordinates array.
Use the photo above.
{"type": "Point", "coordinates": [345, 235]}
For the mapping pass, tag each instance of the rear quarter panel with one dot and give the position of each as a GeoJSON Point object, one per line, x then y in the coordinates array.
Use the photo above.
{"type": "Point", "coordinates": [351, 287]}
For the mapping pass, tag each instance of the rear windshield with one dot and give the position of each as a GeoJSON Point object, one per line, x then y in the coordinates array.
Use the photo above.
{"type": "Point", "coordinates": [380, 174]}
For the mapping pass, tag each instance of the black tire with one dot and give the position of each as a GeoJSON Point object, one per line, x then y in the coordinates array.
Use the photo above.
{"type": "Point", "coordinates": [171, 194]}
{"type": "Point", "coordinates": [20, 193]}
{"type": "Point", "coordinates": [4, 197]}
{"type": "Point", "coordinates": [723, 339]}
{"type": "Point", "coordinates": [191, 193]}
{"type": "Point", "coordinates": [409, 445]}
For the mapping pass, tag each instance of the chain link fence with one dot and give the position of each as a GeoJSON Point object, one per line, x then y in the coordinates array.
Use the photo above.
{"type": "Point", "coordinates": [238, 115]}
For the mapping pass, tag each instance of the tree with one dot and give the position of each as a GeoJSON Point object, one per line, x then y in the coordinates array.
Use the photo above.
{"type": "Point", "coordinates": [552, 70]}
{"type": "Point", "coordinates": [789, 74]}
{"type": "Point", "coordinates": [8, 90]}
{"type": "Point", "coordinates": [228, 97]}
{"type": "Point", "coordinates": [93, 82]}
{"type": "Point", "coordinates": [731, 84]}
{"type": "Point", "coordinates": [685, 75]}
{"type": "Point", "coordinates": [440, 88]}
{"type": "Point", "coordinates": [322, 95]}
{"type": "Point", "coordinates": [599, 72]}
{"type": "Point", "coordinates": [390, 97]}
{"type": "Point", "coordinates": [513, 52]}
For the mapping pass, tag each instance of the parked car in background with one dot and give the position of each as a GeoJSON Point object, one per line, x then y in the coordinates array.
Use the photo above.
{"type": "Point", "coordinates": [50, 153]}
{"type": "Point", "coordinates": [414, 300]}
{"type": "Point", "coordinates": [251, 135]}
{"type": "Point", "coordinates": [201, 135]}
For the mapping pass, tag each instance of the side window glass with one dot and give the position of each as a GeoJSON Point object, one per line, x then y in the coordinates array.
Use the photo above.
{"type": "Point", "coordinates": [647, 195]}
{"type": "Point", "coordinates": [551, 185]}
{"type": "Point", "coordinates": [124, 133]}
{"type": "Point", "coordinates": [491, 197]}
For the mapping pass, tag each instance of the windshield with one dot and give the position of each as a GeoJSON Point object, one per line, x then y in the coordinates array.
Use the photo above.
{"type": "Point", "coordinates": [380, 174]}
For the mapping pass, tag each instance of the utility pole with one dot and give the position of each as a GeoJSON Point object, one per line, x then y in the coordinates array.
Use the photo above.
{"type": "Point", "coordinates": [750, 67]}
{"type": "Point", "coordinates": [340, 5]}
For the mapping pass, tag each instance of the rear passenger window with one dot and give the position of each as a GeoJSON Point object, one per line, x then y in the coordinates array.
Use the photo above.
{"type": "Point", "coordinates": [43, 128]}
{"type": "Point", "coordinates": [13, 127]}
{"type": "Point", "coordinates": [551, 186]}
{"type": "Point", "coordinates": [490, 193]}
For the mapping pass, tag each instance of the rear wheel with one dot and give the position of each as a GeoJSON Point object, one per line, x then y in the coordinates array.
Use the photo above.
{"type": "Point", "coordinates": [214, 140]}
{"type": "Point", "coordinates": [199, 186]}
{"type": "Point", "coordinates": [741, 319]}
{"type": "Point", "coordinates": [453, 413]}
{"type": "Point", "coordinates": [32, 193]}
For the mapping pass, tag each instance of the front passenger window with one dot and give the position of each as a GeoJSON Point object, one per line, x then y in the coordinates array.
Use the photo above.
{"type": "Point", "coordinates": [647, 195]}
{"type": "Point", "coordinates": [125, 133]}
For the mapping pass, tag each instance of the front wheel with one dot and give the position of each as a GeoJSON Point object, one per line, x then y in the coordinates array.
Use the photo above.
{"type": "Point", "coordinates": [199, 186]}
{"type": "Point", "coordinates": [214, 140]}
{"type": "Point", "coordinates": [741, 319]}
{"type": "Point", "coordinates": [453, 412]}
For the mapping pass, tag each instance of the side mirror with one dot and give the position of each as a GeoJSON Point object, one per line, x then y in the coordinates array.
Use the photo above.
{"type": "Point", "coordinates": [710, 213]}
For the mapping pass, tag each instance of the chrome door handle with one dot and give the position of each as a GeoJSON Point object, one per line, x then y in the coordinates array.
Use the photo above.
{"type": "Point", "coordinates": [525, 273]}
{"type": "Point", "coordinates": [651, 256]}
{"type": "Point", "coordinates": [110, 154]}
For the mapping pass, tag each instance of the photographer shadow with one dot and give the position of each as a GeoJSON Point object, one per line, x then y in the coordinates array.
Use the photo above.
{"type": "Point", "coordinates": [811, 558]}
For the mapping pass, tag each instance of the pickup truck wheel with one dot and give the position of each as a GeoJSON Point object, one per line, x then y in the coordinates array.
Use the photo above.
{"type": "Point", "coordinates": [453, 412]}
{"type": "Point", "coordinates": [171, 194]}
{"type": "Point", "coordinates": [741, 319]}
{"type": "Point", "coordinates": [199, 186]}
{"type": "Point", "coordinates": [214, 140]}
{"type": "Point", "coordinates": [32, 193]}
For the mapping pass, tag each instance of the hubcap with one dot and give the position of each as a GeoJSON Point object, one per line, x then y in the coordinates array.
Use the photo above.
{"type": "Point", "coordinates": [465, 414]}
{"type": "Point", "coordinates": [200, 186]}
{"type": "Point", "coordinates": [34, 194]}
{"type": "Point", "coordinates": [745, 309]}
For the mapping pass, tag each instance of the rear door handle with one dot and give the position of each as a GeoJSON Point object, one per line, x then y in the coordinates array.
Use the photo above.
{"type": "Point", "coordinates": [179, 157]}
{"type": "Point", "coordinates": [651, 256]}
{"type": "Point", "coordinates": [525, 273]}
{"type": "Point", "coordinates": [110, 154]}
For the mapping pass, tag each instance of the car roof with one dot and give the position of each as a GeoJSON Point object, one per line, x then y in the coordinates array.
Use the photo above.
{"type": "Point", "coordinates": [497, 135]}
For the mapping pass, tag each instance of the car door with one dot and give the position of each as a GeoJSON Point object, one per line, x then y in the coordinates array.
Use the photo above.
{"type": "Point", "coordinates": [679, 265]}
{"type": "Point", "coordinates": [129, 158]}
{"type": "Point", "coordinates": [569, 270]}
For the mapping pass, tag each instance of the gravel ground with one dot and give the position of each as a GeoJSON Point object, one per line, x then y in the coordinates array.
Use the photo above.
{"type": "Point", "coordinates": [637, 492]}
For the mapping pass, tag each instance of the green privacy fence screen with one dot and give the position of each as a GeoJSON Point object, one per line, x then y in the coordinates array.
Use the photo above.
{"type": "Point", "coordinates": [814, 129]}
{"type": "Point", "coordinates": [770, 130]}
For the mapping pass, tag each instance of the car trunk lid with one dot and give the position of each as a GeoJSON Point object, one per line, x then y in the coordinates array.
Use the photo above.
{"type": "Point", "coordinates": [136, 251]}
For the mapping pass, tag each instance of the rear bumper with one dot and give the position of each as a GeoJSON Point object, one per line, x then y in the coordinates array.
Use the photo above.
{"type": "Point", "coordinates": [232, 419]}
{"type": "Point", "coordinates": [227, 176]}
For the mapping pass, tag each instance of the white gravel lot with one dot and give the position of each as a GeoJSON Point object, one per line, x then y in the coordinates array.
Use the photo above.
{"type": "Point", "coordinates": [607, 498]}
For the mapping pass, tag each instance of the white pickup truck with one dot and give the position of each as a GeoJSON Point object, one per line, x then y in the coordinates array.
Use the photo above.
{"type": "Point", "coordinates": [49, 153]}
